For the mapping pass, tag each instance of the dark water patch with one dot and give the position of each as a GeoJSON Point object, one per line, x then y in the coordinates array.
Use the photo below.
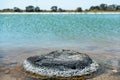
{"type": "Point", "coordinates": [10, 64]}
{"type": "Point", "coordinates": [113, 50]}
{"type": "Point", "coordinates": [1, 56]}
{"type": "Point", "coordinates": [116, 74]}
{"type": "Point", "coordinates": [29, 78]}
{"type": "Point", "coordinates": [92, 48]}
{"type": "Point", "coordinates": [3, 53]}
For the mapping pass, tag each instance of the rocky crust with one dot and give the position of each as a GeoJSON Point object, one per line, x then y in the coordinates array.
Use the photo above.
{"type": "Point", "coordinates": [63, 63]}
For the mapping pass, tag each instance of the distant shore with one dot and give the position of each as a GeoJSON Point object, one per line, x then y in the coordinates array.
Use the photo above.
{"type": "Point", "coordinates": [59, 12]}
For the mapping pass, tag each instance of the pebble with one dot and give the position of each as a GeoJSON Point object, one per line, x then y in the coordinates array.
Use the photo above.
{"type": "Point", "coordinates": [7, 71]}
{"type": "Point", "coordinates": [114, 71]}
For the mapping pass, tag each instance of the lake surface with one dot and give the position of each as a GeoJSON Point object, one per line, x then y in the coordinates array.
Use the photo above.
{"type": "Point", "coordinates": [87, 31]}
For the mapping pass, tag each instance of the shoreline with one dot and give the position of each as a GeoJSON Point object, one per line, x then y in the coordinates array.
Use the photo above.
{"type": "Point", "coordinates": [59, 12]}
{"type": "Point", "coordinates": [11, 63]}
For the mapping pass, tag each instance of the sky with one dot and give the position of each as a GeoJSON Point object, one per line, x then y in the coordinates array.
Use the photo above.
{"type": "Point", "coordinates": [46, 4]}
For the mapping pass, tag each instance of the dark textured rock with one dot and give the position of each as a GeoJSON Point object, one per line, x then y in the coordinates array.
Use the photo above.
{"type": "Point", "coordinates": [61, 63]}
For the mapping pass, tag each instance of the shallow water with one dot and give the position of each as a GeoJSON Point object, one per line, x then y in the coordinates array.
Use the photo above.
{"type": "Point", "coordinates": [87, 31]}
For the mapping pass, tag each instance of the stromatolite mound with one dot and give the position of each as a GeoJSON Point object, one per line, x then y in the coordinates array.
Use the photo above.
{"type": "Point", "coordinates": [64, 63]}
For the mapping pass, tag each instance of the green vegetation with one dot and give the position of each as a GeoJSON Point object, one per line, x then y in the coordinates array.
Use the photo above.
{"type": "Point", "coordinates": [98, 8]}
{"type": "Point", "coordinates": [54, 8]}
{"type": "Point", "coordinates": [105, 7]}
{"type": "Point", "coordinates": [37, 9]}
{"type": "Point", "coordinates": [79, 9]}
{"type": "Point", "coordinates": [30, 8]}
{"type": "Point", "coordinates": [16, 9]}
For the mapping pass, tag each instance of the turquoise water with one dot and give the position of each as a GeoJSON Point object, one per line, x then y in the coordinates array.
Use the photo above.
{"type": "Point", "coordinates": [58, 30]}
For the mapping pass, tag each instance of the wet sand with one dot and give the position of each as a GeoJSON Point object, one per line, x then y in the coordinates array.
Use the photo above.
{"type": "Point", "coordinates": [11, 63]}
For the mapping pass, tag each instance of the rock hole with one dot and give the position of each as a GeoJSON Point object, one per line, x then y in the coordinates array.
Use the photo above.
{"type": "Point", "coordinates": [73, 67]}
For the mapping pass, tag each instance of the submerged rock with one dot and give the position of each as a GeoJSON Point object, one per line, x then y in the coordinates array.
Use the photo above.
{"type": "Point", "coordinates": [63, 63]}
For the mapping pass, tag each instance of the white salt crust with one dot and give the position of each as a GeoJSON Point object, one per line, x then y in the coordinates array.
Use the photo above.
{"type": "Point", "coordinates": [44, 71]}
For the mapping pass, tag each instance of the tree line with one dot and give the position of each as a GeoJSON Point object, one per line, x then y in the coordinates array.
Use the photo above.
{"type": "Point", "coordinates": [105, 7]}
{"type": "Point", "coordinates": [30, 8]}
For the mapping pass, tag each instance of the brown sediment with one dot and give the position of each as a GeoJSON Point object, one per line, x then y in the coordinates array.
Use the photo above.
{"type": "Point", "coordinates": [6, 71]}
{"type": "Point", "coordinates": [12, 73]}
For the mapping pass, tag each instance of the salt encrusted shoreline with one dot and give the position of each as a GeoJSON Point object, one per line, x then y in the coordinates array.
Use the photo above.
{"type": "Point", "coordinates": [59, 12]}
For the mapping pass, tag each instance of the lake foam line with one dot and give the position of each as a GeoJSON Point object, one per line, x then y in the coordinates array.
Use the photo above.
{"type": "Point", "coordinates": [59, 12]}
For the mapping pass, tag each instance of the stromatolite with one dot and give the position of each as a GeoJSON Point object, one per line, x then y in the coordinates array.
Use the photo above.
{"type": "Point", "coordinates": [61, 63]}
